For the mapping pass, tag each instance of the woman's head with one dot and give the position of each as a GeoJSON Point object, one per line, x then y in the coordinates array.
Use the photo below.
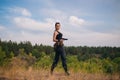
{"type": "Point", "coordinates": [57, 26]}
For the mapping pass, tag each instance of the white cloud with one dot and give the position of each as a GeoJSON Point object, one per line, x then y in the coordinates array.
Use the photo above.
{"type": "Point", "coordinates": [88, 38]}
{"type": "Point", "coordinates": [74, 20]}
{"type": "Point", "coordinates": [29, 36]}
{"type": "Point", "coordinates": [63, 17]}
{"type": "Point", "coordinates": [50, 20]}
{"type": "Point", "coordinates": [2, 28]}
{"type": "Point", "coordinates": [36, 38]}
{"type": "Point", "coordinates": [56, 14]}
{"type": "Point", "coordinates": [92, 39]}
{"type": "Point", "coordinates": [31, 24]}
{"type": "Point", "coordinates": [25, 12]}
{"type": "Point", "coordinates": [21, 11]}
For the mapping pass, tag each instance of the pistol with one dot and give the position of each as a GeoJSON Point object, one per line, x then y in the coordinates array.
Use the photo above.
{"type": "Point", "coordinates": [64, 38]}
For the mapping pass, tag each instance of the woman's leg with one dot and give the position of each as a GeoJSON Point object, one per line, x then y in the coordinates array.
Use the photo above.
{"type": "Point", "coordinates": [55, 61]}
{"type": "Point", "coordinates": [63, 58]}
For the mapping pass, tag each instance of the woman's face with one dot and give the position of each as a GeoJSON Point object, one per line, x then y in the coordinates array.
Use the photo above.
{"type": "Point", "coordinates": [57, 26]}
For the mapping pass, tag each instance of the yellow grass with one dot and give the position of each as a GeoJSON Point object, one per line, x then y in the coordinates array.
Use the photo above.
{"type": "Point", "coordinates": [17, 73]}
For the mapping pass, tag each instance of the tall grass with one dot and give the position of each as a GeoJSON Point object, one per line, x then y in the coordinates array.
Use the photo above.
{"type": "Point", "coordinates": [44, 74]}
{"type": "Point", "coordinates": [92, 69]}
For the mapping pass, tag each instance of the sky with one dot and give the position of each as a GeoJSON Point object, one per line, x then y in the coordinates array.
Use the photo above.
{"type": "Point", "coordinates": [83, 22]}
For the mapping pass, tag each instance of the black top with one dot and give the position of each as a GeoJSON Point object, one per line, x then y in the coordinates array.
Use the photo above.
{"type": "Point", "coordinates": [59, 36]}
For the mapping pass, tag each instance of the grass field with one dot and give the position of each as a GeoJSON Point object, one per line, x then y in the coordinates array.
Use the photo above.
{"type": "Point", "coordinates": [28, 67]}
{"type": "Point", "coordinates": [18, 73]}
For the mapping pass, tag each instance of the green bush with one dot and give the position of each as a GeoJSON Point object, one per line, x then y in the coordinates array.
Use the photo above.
{"type": "Point", "coordinates": [108, 65]}
{"type": "Point", "coordinates": [44, 62]}
{"type": "Point", "coordinates": [117, 61]}
{"type": "Point", "coordinates": [73, 62]}
{"type": "Point", "coordinates": [2, 57]}
{"type": "Point", "coordinates": [83, 57]}
{"type": "Point", "coordinates": [35, 53]}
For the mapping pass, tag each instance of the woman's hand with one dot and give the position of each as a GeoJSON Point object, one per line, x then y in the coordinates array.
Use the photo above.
{"type": "Point", "coordinates": [61, 40]}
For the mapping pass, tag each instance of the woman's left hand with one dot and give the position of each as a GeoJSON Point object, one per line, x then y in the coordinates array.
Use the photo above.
{"type": "Point", "coordinates": [61, 40]}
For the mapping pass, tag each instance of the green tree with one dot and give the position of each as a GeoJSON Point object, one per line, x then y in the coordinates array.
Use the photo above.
{"type": "Point", "coordinates": [2, 56]}
{"type": "Point", "coordinates": [35, 53]}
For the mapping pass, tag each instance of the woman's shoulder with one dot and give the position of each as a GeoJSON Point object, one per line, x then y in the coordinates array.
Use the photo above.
{"type": "Point", "coordinates": [55, 32]}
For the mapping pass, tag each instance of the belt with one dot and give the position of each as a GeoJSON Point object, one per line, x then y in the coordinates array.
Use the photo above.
{"type": "Point", "coordinates": [58, 44]}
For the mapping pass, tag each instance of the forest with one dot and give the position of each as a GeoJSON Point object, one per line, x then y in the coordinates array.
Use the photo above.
{"type": "Point", "coordinates": [101, 59]}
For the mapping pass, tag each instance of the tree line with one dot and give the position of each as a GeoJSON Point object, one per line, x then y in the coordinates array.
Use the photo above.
{"type": "Point", "coordinates": [99, 52]}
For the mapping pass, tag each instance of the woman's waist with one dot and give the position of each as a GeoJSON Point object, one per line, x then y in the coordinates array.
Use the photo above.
{"type": "Point", "coordinates": [59, 43]}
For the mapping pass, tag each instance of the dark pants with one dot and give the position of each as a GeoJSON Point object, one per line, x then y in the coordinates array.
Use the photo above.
{"type": "Point", "coordinates": [59, 51]}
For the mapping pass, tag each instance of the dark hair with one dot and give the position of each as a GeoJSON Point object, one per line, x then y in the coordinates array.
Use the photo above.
{"type": "Point", "coordinates": [57, 23]}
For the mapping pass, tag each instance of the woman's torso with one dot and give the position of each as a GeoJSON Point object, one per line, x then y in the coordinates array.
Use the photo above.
{"type": "Point", "coordinates": [58, 37]}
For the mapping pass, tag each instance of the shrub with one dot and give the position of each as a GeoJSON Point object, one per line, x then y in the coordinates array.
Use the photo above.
{"type": "Point", "coordinates": [2, 57]}
{"type": "Point", "coordinates": [117, 61]}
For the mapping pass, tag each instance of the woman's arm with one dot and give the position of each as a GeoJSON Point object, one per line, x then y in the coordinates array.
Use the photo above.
{"type": "Point", "coordinates": [54, 36]}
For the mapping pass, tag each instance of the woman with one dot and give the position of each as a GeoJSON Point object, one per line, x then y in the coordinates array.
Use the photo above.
{"type": "Point", "coordinates": [59, 49]}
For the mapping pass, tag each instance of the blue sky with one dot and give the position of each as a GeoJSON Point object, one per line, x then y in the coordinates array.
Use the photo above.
{"type": "Point", "coordinates": [83, 22]}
